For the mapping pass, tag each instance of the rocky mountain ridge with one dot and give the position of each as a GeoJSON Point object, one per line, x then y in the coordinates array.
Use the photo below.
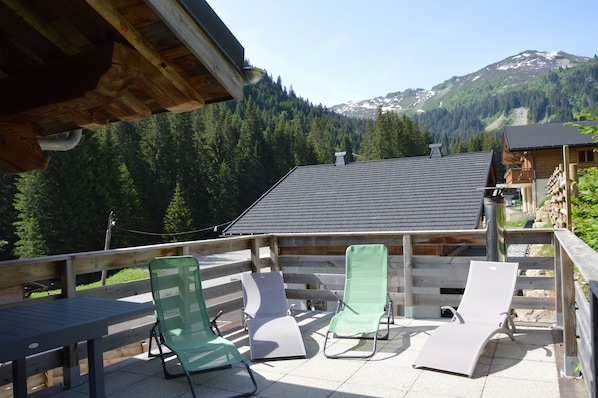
{"type": "Point", "coordinates": [509, 74]}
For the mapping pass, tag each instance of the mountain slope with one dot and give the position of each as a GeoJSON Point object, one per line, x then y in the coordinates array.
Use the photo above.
{"type": "Point", "coordinates": [509, 74]}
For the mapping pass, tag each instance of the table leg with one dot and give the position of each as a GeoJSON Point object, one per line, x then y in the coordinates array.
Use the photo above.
{"type": "Point", "coordinates": [95, 357]}
{"type": "Point", "coordinates": [19, 378]}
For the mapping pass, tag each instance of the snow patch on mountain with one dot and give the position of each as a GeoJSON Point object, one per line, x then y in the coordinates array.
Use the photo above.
{"type": "Point", "coordinates": [509, 73]}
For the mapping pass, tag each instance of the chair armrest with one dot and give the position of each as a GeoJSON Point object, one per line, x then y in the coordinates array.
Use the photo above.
{"type": "Point", "coordinates": [291, 309]}
{"type": "Point", "coordinates": [456, 315]}
{"type": "Point", "coordinates": [215, 325]}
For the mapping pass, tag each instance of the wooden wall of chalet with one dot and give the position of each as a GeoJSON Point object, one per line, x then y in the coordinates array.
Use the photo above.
{"type": "Point", "coordinates": [547, 160]}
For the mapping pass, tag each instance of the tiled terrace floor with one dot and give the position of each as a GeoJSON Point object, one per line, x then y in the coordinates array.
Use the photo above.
{"type": "Point", "coordinates": [526, 367]}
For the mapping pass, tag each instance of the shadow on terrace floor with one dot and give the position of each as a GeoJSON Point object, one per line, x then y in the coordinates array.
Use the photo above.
{"type": "Point", "coordinates": [524, 367]}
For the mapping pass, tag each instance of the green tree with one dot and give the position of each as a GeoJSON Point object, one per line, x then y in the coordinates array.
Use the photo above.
{"type": "Point", "coordinates": [585, 205]}
{"type": "Point", "coordinates": [249, 169]}
{"type": "Point", "coordinates": [9, 216]}
{"type": "Point", "coordinates": [31, 242]}
{"type": "Point", "coordinates": [320, 140]}
{"type": "Point", "coordinates": [177, 218]}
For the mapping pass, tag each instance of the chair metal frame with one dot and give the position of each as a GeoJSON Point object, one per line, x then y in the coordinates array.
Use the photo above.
{"type": "Point", "coordinates": [342, 305]}
{"type": "Point", "coordinates": [209, 326]}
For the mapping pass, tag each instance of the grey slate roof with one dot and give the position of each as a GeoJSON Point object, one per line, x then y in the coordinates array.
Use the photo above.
{"type": "Point", "coordinates": [545, 136]}
{"type": "Point", "coordinates": [404, 194]}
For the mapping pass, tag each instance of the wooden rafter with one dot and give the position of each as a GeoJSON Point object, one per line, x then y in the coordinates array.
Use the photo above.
{"type": "Point", "coordinates": [128, 31]}
{"type": "Point", "coordinates": [185, 27]}
{"type": "Point", "coordinates": [20, 150]}
{"type": "Point", "coordinates": [42, 26]}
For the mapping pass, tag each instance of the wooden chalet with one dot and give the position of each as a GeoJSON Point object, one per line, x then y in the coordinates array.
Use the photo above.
{"type": "Point", "coordinates": [82, 64]}
{"type": "Point", "coordinates": [533, 152]}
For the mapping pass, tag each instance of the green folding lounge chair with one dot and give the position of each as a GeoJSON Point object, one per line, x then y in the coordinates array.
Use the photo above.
{"type": "Point", "coordinates": [183, 324]}
{"type": "Point", "coordinates": [365, 299]}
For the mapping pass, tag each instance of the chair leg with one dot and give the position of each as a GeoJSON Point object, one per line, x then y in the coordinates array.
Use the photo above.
{"type": "Point", "coordinates": [246, 394]}
{"type": "Point", "coordinates": [252, 380]}
{"type": "Point", "coordinates": [167, 375]}
{"type": "Point", "coordinates": [371, 354]}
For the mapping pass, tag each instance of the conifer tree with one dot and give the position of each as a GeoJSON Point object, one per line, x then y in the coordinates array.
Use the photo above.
{"type": "Point", "coordinates": [177, 218]}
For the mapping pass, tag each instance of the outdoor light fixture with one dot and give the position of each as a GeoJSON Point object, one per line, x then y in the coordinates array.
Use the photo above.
{"type": "Point", "coordinates": [252, 75]}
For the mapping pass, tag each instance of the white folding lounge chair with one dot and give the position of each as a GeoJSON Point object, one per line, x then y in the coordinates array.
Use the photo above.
{"type": "Point", "coordinates": [483, 312]}
{"type": "Point", "coordinates": [273, 332]}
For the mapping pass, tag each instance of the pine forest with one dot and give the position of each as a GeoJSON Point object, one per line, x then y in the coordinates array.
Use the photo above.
{"type": "Point", "coordinates": [187, 175]}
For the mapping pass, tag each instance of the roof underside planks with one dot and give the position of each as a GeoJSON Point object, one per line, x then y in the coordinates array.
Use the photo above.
{"type": "Point", "coordinates": [69, 64]}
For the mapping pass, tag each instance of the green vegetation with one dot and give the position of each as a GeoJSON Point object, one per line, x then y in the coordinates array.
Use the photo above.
{"type": "Point", "coordinates": [516, 224]}
{"type": "Point", "coordinates": [585, 203]}
{"type": "Point", "coordinates": [224, 156]}
{"type": "Point", "coordinates": [585, 207]}
{"type": "Point", "coordinates": [122, 276]}
{"type": "Point", "coordinates": [193, 171]}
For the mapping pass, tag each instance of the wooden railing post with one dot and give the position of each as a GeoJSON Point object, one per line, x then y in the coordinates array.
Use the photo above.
{"type": "Point", "coordinates": [571, 365]}
{"type": "Point", "coordinates": [274, 264]}
{"type": "Point", "coordinates": [68, 278]}
{"type": "Point", "coordinates": [594, 334]}
{"type": "Point", "coordinates": [408, 274]}
{"type": "Point", "coordinates": [558, 283]}
{"type": "Point", "coordinates": [70, 359]}
{"type": "Point", "coordinates": [255, 255]}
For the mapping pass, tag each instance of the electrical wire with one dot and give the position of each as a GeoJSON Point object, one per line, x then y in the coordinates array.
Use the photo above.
{"type": "Point", "coordinates": [133, 231]}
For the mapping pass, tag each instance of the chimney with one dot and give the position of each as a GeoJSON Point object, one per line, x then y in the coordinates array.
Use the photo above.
{"type": "Point", "coordinates": [435, 151]}
{"type": "Point", "coordinates": [340, 158]}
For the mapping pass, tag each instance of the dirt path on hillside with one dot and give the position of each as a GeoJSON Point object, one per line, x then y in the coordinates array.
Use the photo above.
{"type": "Point", "coordinates": [518, 115]}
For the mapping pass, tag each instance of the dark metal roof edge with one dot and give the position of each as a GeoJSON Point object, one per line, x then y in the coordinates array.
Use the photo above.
{"type": "Point", "coordinates": [211, 24]}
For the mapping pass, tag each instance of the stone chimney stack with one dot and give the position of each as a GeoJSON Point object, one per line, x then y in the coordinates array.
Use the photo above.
{"type": "Point", "coordinates": [340, 158]}
{"type": "Point", "coordinates": [435, 151]}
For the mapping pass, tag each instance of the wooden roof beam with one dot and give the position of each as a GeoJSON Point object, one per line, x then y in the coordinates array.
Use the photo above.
{"type": "Point", "coordinates": [20, 150]}
{"type": "Point", "coordinates": [41, 25]}
{"type": "Point", "coordinates": [128, 31]}
{"type": "Point", "coordinates": [74, 85]}
{"type": "Point", "coordinates": [197, 41]}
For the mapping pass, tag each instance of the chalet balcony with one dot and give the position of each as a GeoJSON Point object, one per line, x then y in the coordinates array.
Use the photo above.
{"type": "Point", "coordinates": [426, 271]}
{"type": "Point", "coordinates": [518, 176]}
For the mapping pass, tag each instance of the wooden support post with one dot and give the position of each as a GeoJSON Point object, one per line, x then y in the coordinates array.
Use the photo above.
{"type": "Point", "coordinates": [571, 365]}
{"type": "Point", "coordinates": [70, 358]}
{"type": "Point", "coordinates": [274, 264]}
{"type": "Point", "coordinates": [594, 337]}
{"type": "Point", "coordinates": [255, 255]}
{"type": "Point", "coordinates": [408, 273]}
{"type": "Point", "coordinates": [558, 277]}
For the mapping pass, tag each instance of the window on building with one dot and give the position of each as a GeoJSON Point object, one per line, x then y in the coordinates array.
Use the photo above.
{"type": "Point", "coordinates": [586, 156]}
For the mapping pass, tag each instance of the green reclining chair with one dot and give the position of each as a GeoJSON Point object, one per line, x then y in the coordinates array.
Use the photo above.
{"type": "Point", "coordinates": [365, 299]}
{"type": "Point", "coordinates": [183, 324]}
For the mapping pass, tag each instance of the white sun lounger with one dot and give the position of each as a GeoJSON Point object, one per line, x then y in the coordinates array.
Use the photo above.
{"type": "Point", "coordinates": [483, 312]}
{"type": "Point", "coordinates": [273, 332]}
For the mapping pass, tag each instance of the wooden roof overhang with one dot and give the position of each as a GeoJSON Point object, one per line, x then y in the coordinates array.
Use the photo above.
{"type": "Point", "coordinates": [70, 64]}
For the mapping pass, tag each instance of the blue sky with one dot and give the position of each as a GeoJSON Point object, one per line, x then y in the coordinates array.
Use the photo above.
{"type": "Point", "coordinates": [336, 51]}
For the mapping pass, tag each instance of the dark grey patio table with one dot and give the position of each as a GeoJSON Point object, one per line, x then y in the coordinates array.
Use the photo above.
{"type": "Point", "coordinates": [30, 329]}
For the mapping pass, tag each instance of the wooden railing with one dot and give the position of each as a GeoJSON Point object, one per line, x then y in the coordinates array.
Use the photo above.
{"type": "Point", "coordinates": [578, 307]}
{"type": "Point", "coordinates": [426, 270]}
{"type": "Point", "coordinates": [518, 176]}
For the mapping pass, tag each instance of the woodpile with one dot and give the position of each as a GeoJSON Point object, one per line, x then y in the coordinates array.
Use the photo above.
{"type": "Point", "coordinates": [561, 192]}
